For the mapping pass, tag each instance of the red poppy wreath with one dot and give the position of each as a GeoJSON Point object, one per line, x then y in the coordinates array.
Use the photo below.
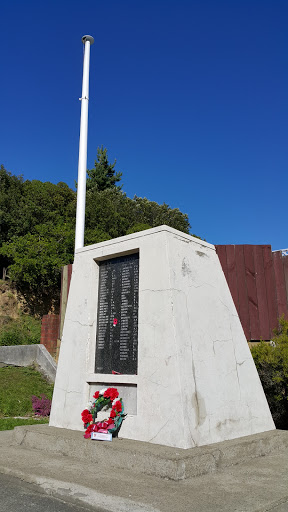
{"type": "Point", "coordinates": [106, 398]}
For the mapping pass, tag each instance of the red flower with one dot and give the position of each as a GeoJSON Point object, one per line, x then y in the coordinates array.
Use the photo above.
{"type": "Point", "coordinates": [86, 416]}
{"type": "Point", "coordinates": [111, 393]}
{"type": "Point", "coordinates": [112, 414]}
{"type": "Point", "coordinates": [96, 394]}
{"type": "Point", "coordinates": [88, 432]}
{"type": "Point", "coordinates": [117, 406]}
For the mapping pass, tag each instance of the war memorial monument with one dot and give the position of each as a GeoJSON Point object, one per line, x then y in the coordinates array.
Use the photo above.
{"type": "Point", "coordinates": [152, 315]}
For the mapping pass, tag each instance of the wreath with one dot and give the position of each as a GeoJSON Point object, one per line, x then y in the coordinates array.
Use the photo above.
{"type": "Point", "coordinates": [105, 398]}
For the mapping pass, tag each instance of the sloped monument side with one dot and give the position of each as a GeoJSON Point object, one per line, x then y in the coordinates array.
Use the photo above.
{"type": "Point", "coordinates": [155, 307]}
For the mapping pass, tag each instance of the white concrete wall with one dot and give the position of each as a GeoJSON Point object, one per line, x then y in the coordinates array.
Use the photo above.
{"type": "Point", "coordinates": [196, 382]}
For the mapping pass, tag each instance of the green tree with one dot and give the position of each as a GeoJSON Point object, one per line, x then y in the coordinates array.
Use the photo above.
{"type": "Point", "coordinates": [37, 222]}
{"type": "Point", "coordinates": [110, 211]}
{"type": "Point", "coordinates": [45, 203]}
{"type": "Point", "coordinates": [27, 204]}
{"type": "Point", "coordinates": [95, 235]}
{"type": "Point", "coordinates": [36, 260]}
{"type": "Point", "coordinates": [154, 214]}
{"type": "Point", "coordinates": [103, 174]}
{"type": "Point", "coordinates": [115, 214]}
{"type": "Point", "coordinates": [11, 190]}
{"type": "Point", "coordinates": [138, 227]}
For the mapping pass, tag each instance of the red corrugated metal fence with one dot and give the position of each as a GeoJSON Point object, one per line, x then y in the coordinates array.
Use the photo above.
{"type": "Point", "coordinates": [258, 281]}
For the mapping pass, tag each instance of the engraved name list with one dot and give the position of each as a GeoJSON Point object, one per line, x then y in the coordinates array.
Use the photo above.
{"type": "Point", "coordinates": [117, 321]}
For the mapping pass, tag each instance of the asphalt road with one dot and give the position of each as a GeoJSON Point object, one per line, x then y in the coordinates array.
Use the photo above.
{"type": "Point", "coordinates": [15, 494]}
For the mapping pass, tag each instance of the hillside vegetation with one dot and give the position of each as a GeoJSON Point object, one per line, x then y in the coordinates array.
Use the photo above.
{"type": "Point", "coordinates": [17, 327]}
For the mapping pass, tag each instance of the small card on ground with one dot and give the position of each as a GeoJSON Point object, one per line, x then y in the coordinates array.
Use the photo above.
{"type": "Point", "coordinates": [99, 436]}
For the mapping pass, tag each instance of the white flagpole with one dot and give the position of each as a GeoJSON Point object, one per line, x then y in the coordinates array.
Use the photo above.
{"type": "Point", "coordinates": [82, 162]}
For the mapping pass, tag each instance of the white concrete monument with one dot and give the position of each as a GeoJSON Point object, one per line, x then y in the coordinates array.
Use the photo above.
{"type": "Point", "coordinates": [185, 373]}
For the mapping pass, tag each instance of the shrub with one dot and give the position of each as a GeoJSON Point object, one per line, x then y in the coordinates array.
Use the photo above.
{"type": "Point", "coordinates": [25, 330]}
{"type": "Point", "coordinates": [11, 336]}
{"type": "Point", "coordinates": [41, 406]}
{"type": "Point", "coordinates": [272, 364]}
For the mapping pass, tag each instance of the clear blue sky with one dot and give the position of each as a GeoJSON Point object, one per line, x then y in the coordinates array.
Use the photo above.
{"type": "Point", "coordinates": [190, 97]}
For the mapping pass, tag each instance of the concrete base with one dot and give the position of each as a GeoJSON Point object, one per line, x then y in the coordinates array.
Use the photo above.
{"type": "Point", "coordinates": [144, 458]}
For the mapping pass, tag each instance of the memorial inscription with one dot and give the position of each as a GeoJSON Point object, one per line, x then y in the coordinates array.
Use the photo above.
{"type": "Point", "coordinates": [117, 320]}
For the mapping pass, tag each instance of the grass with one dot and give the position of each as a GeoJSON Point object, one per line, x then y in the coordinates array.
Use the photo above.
{"type": "Point", "coordinates": [10, 423]}
{"type": "Point", "coordinates": [17, 385]}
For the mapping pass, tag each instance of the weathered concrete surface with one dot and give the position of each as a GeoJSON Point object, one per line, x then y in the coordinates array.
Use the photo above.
{"type": "Point", "coordinates": [26, 355]}
{"type": "Point", "coordinates": [164, 461]}
{"type": "Point", "coordinates": [256, 485]}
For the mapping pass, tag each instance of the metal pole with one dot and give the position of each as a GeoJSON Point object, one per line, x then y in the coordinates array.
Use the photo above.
{"type": "Point", "coordinates": [82, 162]}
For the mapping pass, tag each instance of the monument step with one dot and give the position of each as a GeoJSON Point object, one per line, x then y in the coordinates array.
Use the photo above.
{"type": "Point", "coordinates": [166, 462]}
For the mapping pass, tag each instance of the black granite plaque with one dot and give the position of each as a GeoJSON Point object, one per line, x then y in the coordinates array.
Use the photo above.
{"type": "Point", "coordinates": [117, 324]}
